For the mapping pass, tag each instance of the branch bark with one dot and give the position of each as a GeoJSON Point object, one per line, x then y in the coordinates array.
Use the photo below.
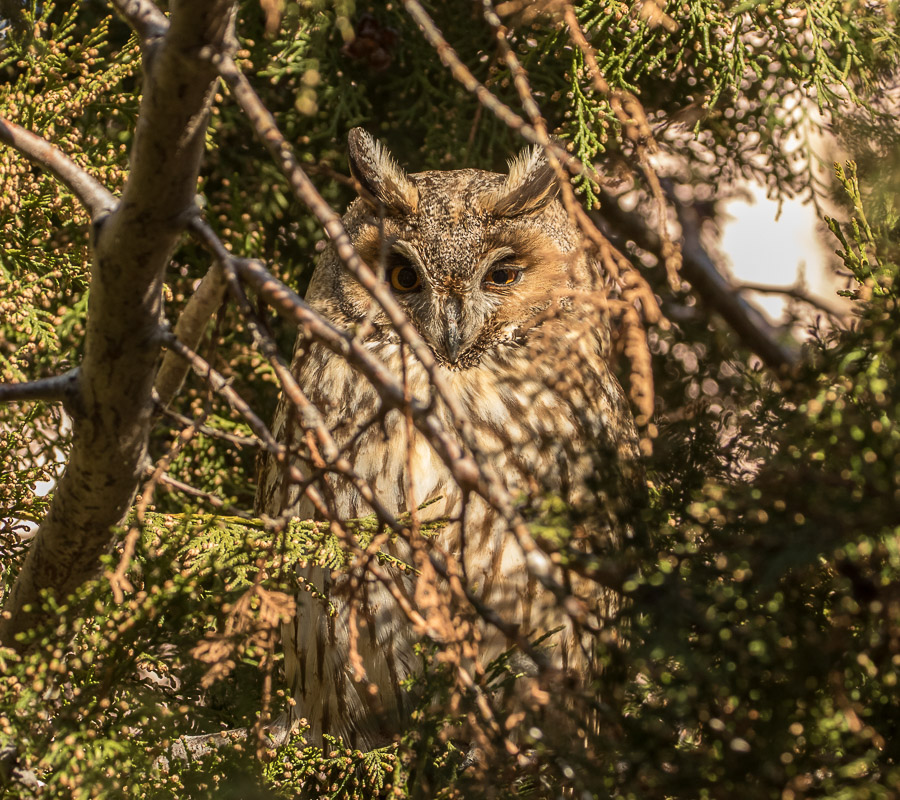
{"type": "Point", "coordinates": [191, 326]}
{"type": "Point", "coordinates": [132, 246]}
{"type": "Point", "coordinates": [91, 193]}
{"type": "Point", "coordinates": [699, 270]}
{"type": "Point", "coordinates": [56, 389]}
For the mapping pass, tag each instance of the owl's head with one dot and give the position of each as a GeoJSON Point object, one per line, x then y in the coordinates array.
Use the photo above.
{"type": "Point", "coordinates": [472, 256]}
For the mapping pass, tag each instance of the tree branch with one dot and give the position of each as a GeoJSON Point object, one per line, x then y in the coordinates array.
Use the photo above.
{"type": "Point", "coordinates": [700, 271]}
{"type": "Point", "coordinates": [56, 389]}
{"type": "Point", "coordinates": [147, 21]}
{"type": "Point", "coordinates": [794, 292]}
{"type": "Point", "coordinates": [191, 325]}
{"type": "Point", "coordinates": [132, 246]}
{"type": "Point", "coordinates": [92, 194]}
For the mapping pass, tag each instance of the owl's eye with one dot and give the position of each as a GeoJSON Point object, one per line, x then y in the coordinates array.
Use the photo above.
{"type": "Point", "coordinates": [503, 276]}
{"type": "Point", "coordinates": [404, 277]}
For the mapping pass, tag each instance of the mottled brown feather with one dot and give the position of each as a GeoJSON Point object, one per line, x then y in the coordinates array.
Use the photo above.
{"type": "Point", "coordinates": [533, 376]}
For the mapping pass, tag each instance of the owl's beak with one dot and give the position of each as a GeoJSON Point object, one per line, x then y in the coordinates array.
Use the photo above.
{"type": "Point", "coordinates": [452, 339]}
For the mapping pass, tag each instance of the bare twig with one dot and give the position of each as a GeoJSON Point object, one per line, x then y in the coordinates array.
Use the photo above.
{"type": "Point", "coordinates": [213, 433]}
{"type": "Point", "coordinates": [92, 194]}
{"type": "Point", "coordinates": [221, 385]}
{"type": "Point", "coordinates": [796, 293]}
{"type": "Point", "coordinates": [214, 500]}
{"type": "Point", "coordinates": [118, 578]}
{"type": "Point", "coordinates": [309, 416]}
{"type": "Point", "coordinates": [464, 76]}
{"type": "Point", "coordinates": [485, 97]}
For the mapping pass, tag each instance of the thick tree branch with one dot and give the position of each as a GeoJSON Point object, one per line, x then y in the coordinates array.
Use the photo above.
{"type": "Point", "coordinates": [90, 192]}
{"type": "Point", "coordinates": [132, 246]}
{"type": "Point", "coordinates": [716, 290]}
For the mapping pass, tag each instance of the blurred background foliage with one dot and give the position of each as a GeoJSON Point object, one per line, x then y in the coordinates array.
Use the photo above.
{"type": "Point", "coordinates": [759, 649]}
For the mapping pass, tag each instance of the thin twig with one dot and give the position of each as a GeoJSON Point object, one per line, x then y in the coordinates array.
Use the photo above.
{"type": "Point", "coordinates": [309, 416]}
{"type": "Point", "coordinates": [92, 194]}
{"type": "Point", "coordinates": [464, 76]}
{"type": "Point", "coordinates": [794, 292]}
{"type": "Point", "coordinates": [213, 433]}
{"type": "Point", "coordinates": [223, 387]}
{"type": "Point", "coordinates": [485, 97]}
{"type": "Point", "coordinates": [118, 578]}
{"type": "Point", "coordinates": [214, 500]}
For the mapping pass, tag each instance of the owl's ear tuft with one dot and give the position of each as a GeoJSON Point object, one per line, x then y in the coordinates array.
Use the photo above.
{"type": "Point", "coordinates": [382, 179]}
{"type": "Point", "coordinates": [530, 185]}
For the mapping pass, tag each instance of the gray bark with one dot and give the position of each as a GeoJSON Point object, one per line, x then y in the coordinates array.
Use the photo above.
{"type": "Point", "coordinates": [132, 246]}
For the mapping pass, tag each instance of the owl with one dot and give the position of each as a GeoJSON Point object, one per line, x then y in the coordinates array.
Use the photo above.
{"type": "Point", "coordinates": [497, 280]}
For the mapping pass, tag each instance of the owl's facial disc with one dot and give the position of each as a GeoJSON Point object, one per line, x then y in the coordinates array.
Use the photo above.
{"type": "Point", "coordinates": [454, 308]}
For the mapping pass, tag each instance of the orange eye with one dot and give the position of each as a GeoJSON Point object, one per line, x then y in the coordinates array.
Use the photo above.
{"type": "Point", "coordinates": [404, 278]}
{"type": "Point", "coordinates": [503, 276]}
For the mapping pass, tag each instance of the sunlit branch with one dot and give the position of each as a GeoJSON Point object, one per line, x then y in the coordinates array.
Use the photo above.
{"type": "Point", "coordinates": [144, 17]}
{"type": "Point", "coordinates": [191, 325]}
{"type": "Point", "coordinates": [90, 192]}
{"type": "Point", "coordinates": [213, 433]}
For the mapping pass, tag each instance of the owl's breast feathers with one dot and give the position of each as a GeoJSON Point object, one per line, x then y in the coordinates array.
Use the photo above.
{"type": "Point", "coordinates": [505, 295]}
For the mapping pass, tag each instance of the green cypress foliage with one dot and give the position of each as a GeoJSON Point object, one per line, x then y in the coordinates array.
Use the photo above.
{"type": "Point", "coordinates": [758, 651]}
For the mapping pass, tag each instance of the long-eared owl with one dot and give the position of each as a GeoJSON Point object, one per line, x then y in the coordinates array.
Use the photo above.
{"type": "Point", "coordinates": [496, 279]}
